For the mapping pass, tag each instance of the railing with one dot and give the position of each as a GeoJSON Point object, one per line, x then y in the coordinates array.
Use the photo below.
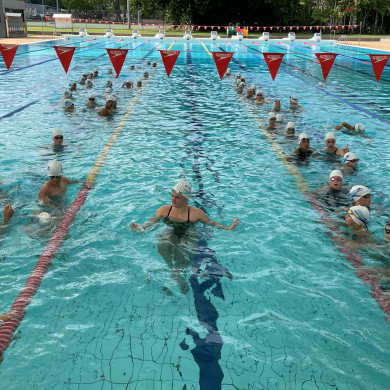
{"type": "Point", "coordinates": [343, 38]}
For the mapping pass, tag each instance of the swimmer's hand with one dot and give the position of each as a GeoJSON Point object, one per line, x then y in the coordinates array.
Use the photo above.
{"type": "Point", "coordinates": [88, 184]}
{"type": "Point", "coordinates": [8, 213]}
{"type": "Point", "coordinates": [346, 149]}
{"type": "Point", "coordinates": [7, 316]}
{"type": "Point", "coordinates": [233, 225]}
{"type": "Point", "coordinates": [136, 227]}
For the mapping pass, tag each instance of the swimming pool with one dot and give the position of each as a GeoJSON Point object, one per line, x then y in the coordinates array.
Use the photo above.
{"type": "Point", "coordinates": [107, 314]}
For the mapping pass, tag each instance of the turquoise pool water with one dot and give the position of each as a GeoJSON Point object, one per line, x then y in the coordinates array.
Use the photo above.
{"type": "Point", "coordinates": [108, 315]}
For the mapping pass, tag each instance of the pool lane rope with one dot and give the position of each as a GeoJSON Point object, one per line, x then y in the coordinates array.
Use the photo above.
{"type": "Point", "coordinates": [33, 282]}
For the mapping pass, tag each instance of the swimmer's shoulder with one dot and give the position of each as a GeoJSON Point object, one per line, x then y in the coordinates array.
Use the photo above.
{"type": "Point", "coordinates": [163, 211]}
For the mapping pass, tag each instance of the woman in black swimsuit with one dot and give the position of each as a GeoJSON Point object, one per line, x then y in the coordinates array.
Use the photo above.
{"type": "Point", "coordinates": [176, 243]}
{"type": "Point", "coordinates": [331, 150]}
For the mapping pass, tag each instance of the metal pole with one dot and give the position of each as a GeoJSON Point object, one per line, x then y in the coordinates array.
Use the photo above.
{"type": "Point", "coordinates": [128, 15]}
{"type": "Point", "coordinates": [57, 6]}
{"type": "Point", "coordinates": [360, 33]}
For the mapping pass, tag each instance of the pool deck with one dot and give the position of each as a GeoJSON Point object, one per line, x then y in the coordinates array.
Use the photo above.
{"type": "Point", "coordinates": [384, 44]}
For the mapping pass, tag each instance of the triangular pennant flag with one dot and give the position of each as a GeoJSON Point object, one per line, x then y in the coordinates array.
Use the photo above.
{"type": "Point", "coordinates": [273, 61]}
{"type": "Point", "coordinates": [86, 20]}
{"type": "Point", "coordinates": [317, 27]}
{"type": "Point", "coordinates": [264, 28]}
{"type": "Point", "coordinates": [277, 28]}
{"type": "Point", "coordinates": [355, 25]}
{"type": "Point", "coordinates": [169, 58]}
{"type": "Point", "coordinates": [172, 26]}
{"type": "Point", "coordinates": [290, 28]}
{"type": "Point", "coordinates": [117, 57]}
{"type": "Point", "coordinates": [271, 28]}
{"type": "Point", "coordinates": [205, 27]}
{"type": "Point", "coordinates": [79, 20]}
{"type": "Point", "coordinates": [146, 25]}
{"type": "Point", "coordinates": [342, 27]}
{"type": "Point", "coordinates": [113, 22]}
{"type": "Point", "coordinates": [326, 61]}
{"type": "Point", "coordinates": [337, 27]}
{"type": "Point", "coordinates": [219, 27]}
{"type": "Point", "coordinates": [251, 28]}
{"type": "Point", "coordinates": [378, 63]}
{"type": "Point", "coordinates": [323, 27]}
{"type": "Point", "coordinates": [304, 27]}
{"type": "Point", "coordinates": [8, 52]}
{"type": "Point", "coordinates": [65, 54]}
{"type": "Point", "coordinates": [349, 26]}
{"type": "Point", "coordinates": [284, 28]}
{"type": "Point", "coordinates": [257, 28]}
{"type": "Point", "coordinates": [222, 60]}
{"type": "Point", "coordinates": [297, 28]}
{"type": "Point", "coordinates": [310, 27]}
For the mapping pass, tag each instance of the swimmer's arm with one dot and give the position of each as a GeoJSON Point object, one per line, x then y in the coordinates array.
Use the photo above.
{"type": "Point", "coordinates": [43, 195]}
{"type": "Point", "coordinates": [159, 215]}
{"type": "Point", "coordinates": [341, 152]}
{"type": "Point", "coordinates": [202, 217]}
{"type": "Point", "coordinates": [85, 183]}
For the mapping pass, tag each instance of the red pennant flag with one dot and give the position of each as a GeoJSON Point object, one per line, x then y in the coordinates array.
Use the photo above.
{"type": "Point", "coordinates": [79, 20]}
{"type": "Point", "coordinates": [317, 27]}
{"type": "Point", "coordinates": [46, 17]}
{"type": "Point", "coordinates": [106, 22]}
{"type": "Point", "coordinates": [198, 27]}
{"type": "Point", "coordinates": [297, 28]}
{"type": "Point", "coordinates": [277, 28]}
{"type": "Point", "coordinates": [113, 22]}
{"type": "Point", "coordinates": [326, 61]}
{"type": "Point", "coordinates": [152, 24]}
{"type": "Point", "coordinates": [131, 24]}
{"type": "Point", "coordinates": [65, 54]}
{"type": "Point", "coordinates": [93, 21]}
{"type": "Point", "coordinates": [59, 19]}
{"type": "Point", "coordinates": [378, 63]}
{"type": "Point", "coordinates": [159, 26]}
{"type": "Point", "coordinates": [73, 20]}
{"type": "Point", "coordinates": [323, 27]}
{"type": "Point", "coordinates": [212, 27]}
{"type": "Point", "coordinates": [284, 28]}
{"type": "Point", "coordinates": [251, 28]}
{"type": "Point", "coordinates": [290, 28]}
{"type": "Point", "coordinates": [222, 60]}
{"type": "Point", "coordinates": [225, 28]}
{"type": "Point", "coordinates": [337, 27]}
{"type": "Point", "coordinates": [86, 20]}
{"type": "Point", "coordinates": [304, 27]}
{"type": "Point", "coordinates": [139, 24]}
{"type": "Point", "coordinates": [205, 27]}
{"type": "Point", "coordinates": [349, 26]}
{"type": "Point", "coordinates": [342, 27]}
{"type": "Point", "coordinates": [117, 57]}
{"type": "Point", "coordinates": [100, 22]}
{"type": "Point", "coordinates": [257, 28]}
{"type": "Point", "coordinates": [169, 58]}
{"type": "Point", "coordinates": [271, 28]}
{"type": "Point", "coordinates": [219, 27]}
{"type": "Point", "coordinates": [66, 19]}
{"type": "Point", "coordinates": [8, 52]}
{"type": "Point", "coordinates": [166, 26]}
{"type": "Point", "coordinates": [172, 26]}
{"type": "Point", "coordinates": [311, 27]}
{"type": "Point", "coordinates": [355, 26]}
{"type": "Point", "coordinates": [264, 28]}
{"type": "Point", "coordinates": [273, 61]}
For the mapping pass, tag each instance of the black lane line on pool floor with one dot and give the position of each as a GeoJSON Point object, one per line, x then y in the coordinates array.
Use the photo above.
{"type": "Point", "coordinates": [205, 266]}
{"type": "Point", "coordinates": [51, 93]}
{"type": "Point", "coordinates": [373, 115]}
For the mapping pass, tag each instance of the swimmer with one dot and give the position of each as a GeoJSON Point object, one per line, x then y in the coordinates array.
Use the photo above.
{"type": "Point", "coordinates": [277, 106]}
{"type": "Point", "coordinates": [128, 84]}
{"type": "Point", "coordinates": [294, 102]}
{"type": "Point", "coordinates": [272, 121]}
{"type": "Point", "coordinates": [57, 185]}
{"type": "Point", "coordinates": [108, 84]}
{"type": "Point", "coordinates": [359, 129]}
{"type": "Point", "coordinates": [335, 181]}
{"type": "Point", "coordinates": [387, 232]}
{"type": "Point", "coordinates": [108, 90]}
{"type": "Point", "coordinates": [115, 99]}
{"type": "Point", "coordinates": [132, 67]}
{"type": "Point", "coordinates": [91, 101]}
{"type": "Point", "coordinates": [238, 76]}
{"type": "Point", "coordinates": [95, 73]}
{"type": "Point", "coordinates": [176, 244]}
{"type": "Point", "coordinates": [154, 64]}
{"type": "Point", "coordinates": [148, 62]}
{"type": "Point", "coordinates": [279, 118]}
{"type": "Point", "coordinates": [58, 140]}
{"type": "Point", "coordinates": [250, 92]}
{"type": "Point", "coordinates": [72, 86]}
{"type": "Point", "coordinates": [357, 221]}
{"type": "Point", "coordinates": [109, 71]}
{"type": "Point", "coordinates": [68, 105]}
{"type": "Point", "coordinates": [67, 94]}
{"type": "Point", "coordinates": [304, 151]}
{"type": "Point", "coordinates": [83, 79]}
{"type": "Point", "coordinates": [90, 75]}
{"type": "Point", "coordinates": [290, 130]}
{"type": "Point", "coordinates": [350, 162]}
{"type": "Point", "coordinates": [107, 109]}
{"type": "Point", "coordinates": [139, 83]}
{"type": "Point", "coordinates": [7, 213]}
{"type": "Point", "coordinates": [240, 88]}
{"type": "Point", "coordinates": [361, 196]}
{"type": "Point", "coordinates": [146, 75]}
{"type": "Point", "coordinates": [331, 149]}
{"type": "Point", "coordinates": [228, 72]}
{"type": "Point", "coordinates": [259, 97]}
{"type": "Point", "coordinates": [88, 84]}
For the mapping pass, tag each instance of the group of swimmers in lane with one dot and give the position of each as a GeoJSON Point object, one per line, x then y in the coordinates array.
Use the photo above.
{"type": "Point", "coordinates": [334, 197]}
{"type": "Point", "coordinates": [87, 80]}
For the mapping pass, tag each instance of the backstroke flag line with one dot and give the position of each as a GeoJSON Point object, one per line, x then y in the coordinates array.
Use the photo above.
{"type": "Point", "coordinates": [273, 61]}
{"type": "Point", "coordinates": [65, 54]}
{"type": "Point", "coordinates": [378, 63]}
{"type": "Point", "coordinates": [8, 52]}
{"type": "Point", "coordinates": [222, 60]}
{"type": "Point", "coordinates": [169, 58]}
{"type": "Point", "coordinates": [117, 57]}
{"type": "Point", "coordinates": [326, 61]}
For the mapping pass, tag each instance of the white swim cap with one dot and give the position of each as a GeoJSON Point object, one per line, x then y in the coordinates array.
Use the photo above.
{"type": "Point", "coordinates": [67, 93]}
{"type": "Point", "coordinates": [260, 92]}
{"type": "Point", "coordinates": [336, 172]}
{"type": "Point", "coordinates": [238, 74]}
{"type": "Point", "coordinates": [360, 215]}
{"type": "Point", "coordinates": [302, 136]}
{"type": "Point", "coordinates": [253, 88]}
{"type": "Point", "coordinates": [68, 103]}
{"type": "Point", "coordinates": [279, 118]}
{"type": "Point", "coordinates": [43, 217]}
{"type": "Point", "coordinates": [91, 95]}
{"type": "Point", "coordinates": [320, 84]}
{"type": "Point", "coordinates": [108, 90]}
{"type": "Point", "coordinates": [290, 125]}
{"type": "Point", "coordinates": [95, 70]}
{"type": "Point", "coordinates": [349, 156]}
{"type": "Point", "coordinates": [84, 74]}
{"type": "Point", "coordinates": [109, 70]}
{"type": "Point", "coordinates": [294, 98]}
{"type": "Point", "coordinates": [72, 84]}
{"type": "Point", "coordinates": [89, 83]}
{"type": "Point", "coordinates": [183, 188]}
{"type": "Point", "coordinates": [56, 132]}
{"type": "Point", "coordinates": [108, 83]}
{"type": "Point", "coordinates": [228, 71]}
{"type": "Point", "coordinates": [139, 81]}
{"type": "Point", "coordinates": [359, 191]}
{"type": "Point", "coordinates": [90, 73]}
{"type": "Point", "coordinates": [54, 169]}
{"type": "Point", "coordinates": [360, 127]}
{"type": "Point", "coordinates": [271, 115]}
{"type": "Point", "coordinates": [330, 135]}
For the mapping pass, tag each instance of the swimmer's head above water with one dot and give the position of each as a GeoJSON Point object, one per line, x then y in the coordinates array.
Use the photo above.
{"type": "Point", "coordinates": [357, 217]}
{"type": "Point", "coordinates": [336, 180]}
{"type": "Point", "coordinates": [290, 129]}
{"type": "Point", "coordinates": [350, 159]}
{"type": "Point", "coordinates": [183, 188]}
{"type": "Point", "coordinates": [361, 196]}
{"type": "Point", "coordinates": [58, 137]}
